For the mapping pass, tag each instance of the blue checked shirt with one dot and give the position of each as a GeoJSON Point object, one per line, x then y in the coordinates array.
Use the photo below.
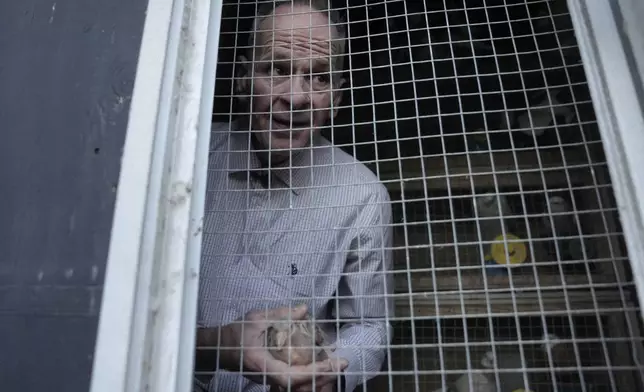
{"type": "Point", "coordinates": [318, 232]}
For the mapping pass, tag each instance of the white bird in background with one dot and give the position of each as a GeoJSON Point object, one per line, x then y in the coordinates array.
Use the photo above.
{"type": "Point", "coordinates": [480, 383]}
{"type": "Point", "coordinates": [508, 357]}
{"type": "Point", "coordinates": [562, 222]}
{"type": "Point", "coordinates": [544, 113]}
{"type": "Point", "coordinates": [563, 225]}
{"type": "Point", "coordinates": [488, 206]}
{"type": "Point", "coordinates": [563, 354]}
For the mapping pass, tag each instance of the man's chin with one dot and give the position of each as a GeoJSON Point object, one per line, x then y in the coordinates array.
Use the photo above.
{"type": "Point", "coordinates": [285, 149]}
{"type": "Point", "coordinates": [290, 140]}
{"type": "Point", "coordinates": [282, 148]}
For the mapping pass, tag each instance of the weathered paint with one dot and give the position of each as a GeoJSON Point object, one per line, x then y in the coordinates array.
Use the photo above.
{"type": "Point", "coordinates": [67, 70]}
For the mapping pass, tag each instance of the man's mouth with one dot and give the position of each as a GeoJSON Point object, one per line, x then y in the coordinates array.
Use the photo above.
{"type": "Point", "coordinates": [288, 124]}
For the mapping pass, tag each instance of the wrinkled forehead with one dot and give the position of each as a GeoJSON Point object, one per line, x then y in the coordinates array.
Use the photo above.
{"type": "Point", "coordinates": [298, 31]}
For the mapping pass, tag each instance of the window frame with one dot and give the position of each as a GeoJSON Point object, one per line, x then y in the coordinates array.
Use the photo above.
{"type": "Point", "coordinates": [612, 51]}
{"type": "Point", "coordinates": [146, 330]}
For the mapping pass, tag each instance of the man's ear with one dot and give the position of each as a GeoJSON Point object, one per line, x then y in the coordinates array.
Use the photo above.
{"type": "Point", "coordinates": [242, 79]}
{"type": "Point", "coordinates": [337, 96]}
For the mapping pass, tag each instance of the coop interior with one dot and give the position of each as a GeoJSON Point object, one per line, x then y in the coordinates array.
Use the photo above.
{"type": "Point", "coordinates": [509, 257]}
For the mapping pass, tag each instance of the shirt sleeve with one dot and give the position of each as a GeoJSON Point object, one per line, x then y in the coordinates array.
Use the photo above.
{"type": "Point", "coordinates": [365, 301]}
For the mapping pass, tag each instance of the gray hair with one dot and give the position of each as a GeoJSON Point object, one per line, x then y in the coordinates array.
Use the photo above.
{"type": "Point", "coordinates": [338, 42]}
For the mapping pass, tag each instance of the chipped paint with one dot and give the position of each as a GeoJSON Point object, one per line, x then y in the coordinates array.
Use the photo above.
{"type": "Point", "coordinates": [53, 12]}
{"type": "Point", "coordinates": [180, 192]}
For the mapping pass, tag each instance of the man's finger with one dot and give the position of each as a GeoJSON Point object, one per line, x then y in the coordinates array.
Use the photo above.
{"type": "Point", "coordinates": [297, 313]}
{"type": "Point", "coordinates": [299, 375]}
{"type": "Point", "coordinates": [263, 361]}
{"type": "Point", "coordinates": [338, 364]}
{"type": "Point", "coordinates": [322, 383]}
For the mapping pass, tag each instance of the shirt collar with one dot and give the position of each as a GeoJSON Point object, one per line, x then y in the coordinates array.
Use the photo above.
{"type": "Point", "coordinates": [242, 159]}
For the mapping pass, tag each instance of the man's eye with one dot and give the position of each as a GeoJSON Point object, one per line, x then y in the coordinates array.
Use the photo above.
{"type": "Point", "coordinates": [321, 78]}
{"type": "Point", "coordinates": [278, 70]}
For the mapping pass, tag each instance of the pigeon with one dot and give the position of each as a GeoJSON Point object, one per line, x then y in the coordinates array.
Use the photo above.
{"type": "Point", "coordinates": [507, 358]}
{"type": "Point", "coordinates": [563, 354]}
{"type": "Point", "coordinates": [480, 383]}
{"type": "Point", "coordinates": [563, 224]}
{"type": "Point", "coordinates": [292, 341]}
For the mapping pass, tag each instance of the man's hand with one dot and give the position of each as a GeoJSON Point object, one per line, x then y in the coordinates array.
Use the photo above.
{"type": "Point", "coordinates": [331, 387]}
{"type": "Point", "coordinates": [242, 349]}
{"type": "Point", "coordinates": [327, 382]}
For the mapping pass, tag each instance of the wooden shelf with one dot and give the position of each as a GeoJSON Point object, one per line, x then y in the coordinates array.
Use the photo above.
{"type": "Point", "coordinates": [424, 283]}
{"type": "Point", "coordinates": [499, 304]}
{"type": "Point", "coordinates": [482, 170]}
{"type": "Point", "coordinates": [453, 260]}
{"type": "Point", "coordinates": [453, 348]}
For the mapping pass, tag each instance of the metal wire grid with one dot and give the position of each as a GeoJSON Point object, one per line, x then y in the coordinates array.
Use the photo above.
{"type": "Point", "coordinates": [590, 366]}
{"type": "Point", "coordinates": [460, 234]}
{"type": "Point", "coordinates": [439, 113]}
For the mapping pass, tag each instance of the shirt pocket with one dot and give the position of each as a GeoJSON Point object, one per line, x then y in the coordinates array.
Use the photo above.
{"type": "Point", "coordinates": [303, 262]}
{"type": "Point", "coordinates": [315, 278]}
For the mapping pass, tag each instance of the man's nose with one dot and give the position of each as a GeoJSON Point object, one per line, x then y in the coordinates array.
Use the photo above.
{"type": "Point", "coordinates": [300, 94]}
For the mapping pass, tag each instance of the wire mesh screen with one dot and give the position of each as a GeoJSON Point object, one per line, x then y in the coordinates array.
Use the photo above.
{"type": "Point", "coordinates": [463, 200]}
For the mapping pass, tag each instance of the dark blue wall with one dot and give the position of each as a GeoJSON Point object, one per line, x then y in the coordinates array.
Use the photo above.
{"type": "Point", "coordinates": [66, 75]}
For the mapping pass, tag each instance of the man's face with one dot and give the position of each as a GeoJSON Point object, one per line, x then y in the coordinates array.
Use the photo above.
{"type": "Point", "coordinates": [289, 81]}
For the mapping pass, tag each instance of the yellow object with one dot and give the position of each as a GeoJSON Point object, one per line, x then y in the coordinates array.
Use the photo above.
{"type": "Point", "coordinates": [516, 250]}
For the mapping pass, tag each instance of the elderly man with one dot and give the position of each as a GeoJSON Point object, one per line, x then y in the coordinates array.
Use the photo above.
{"type": "Point", "coordinates": [290, 219]}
